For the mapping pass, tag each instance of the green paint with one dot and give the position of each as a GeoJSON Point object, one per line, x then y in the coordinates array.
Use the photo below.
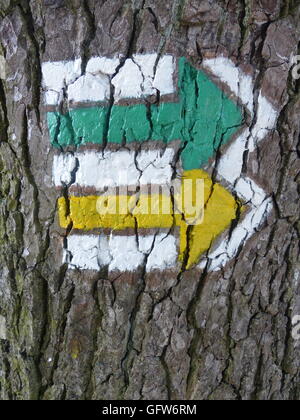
{"type": "Point", "coordinates": [203, 119]}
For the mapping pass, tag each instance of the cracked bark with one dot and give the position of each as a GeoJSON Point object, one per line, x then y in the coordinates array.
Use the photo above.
{"type": "Point", "coordinates": [73, 335]}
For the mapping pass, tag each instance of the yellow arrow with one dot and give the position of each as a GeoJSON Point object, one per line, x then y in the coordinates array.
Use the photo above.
{"type": "Point", "coordinates": [161, 210]}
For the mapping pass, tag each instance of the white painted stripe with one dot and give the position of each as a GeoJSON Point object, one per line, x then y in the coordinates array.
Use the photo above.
{"type": "Point", "coordinates": [229, 248]}
{"type": "Point", "coordinates": [231, 163]}
{"type": "Point", "coordinates": [137, 78]}
{"type": "Point", "coordinates": [250, 192]}
{"type": "Point", "coordinates": [113, 169]}
{"type": "Point", "coordinates": [121, 253]}
{"type": "Point", "coordinates": [57, 76]}
{"type": "Point", "coordinates": [239, 83]}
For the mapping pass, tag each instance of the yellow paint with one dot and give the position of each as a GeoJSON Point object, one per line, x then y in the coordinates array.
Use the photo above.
{"type": "Point", "coordinates": [220, 209]}
{"type": "Point", "coordinates": [85, 216]}
{"type": "Point", "coordinates": [75, 348]}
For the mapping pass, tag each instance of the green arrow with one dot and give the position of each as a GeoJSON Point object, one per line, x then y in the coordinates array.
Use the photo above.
{"type": "Point", "coordinates": [204, 118]}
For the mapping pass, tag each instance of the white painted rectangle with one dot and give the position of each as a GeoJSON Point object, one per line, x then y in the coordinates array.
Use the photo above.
{"type": "Point", "coordinates": [139, 77]}
{"type": "Point", "coordinates": [121, 253]}
{"type": "Point", "coordinates": [113, 169]}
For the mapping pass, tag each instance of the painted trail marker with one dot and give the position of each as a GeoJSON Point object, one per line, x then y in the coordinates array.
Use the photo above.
{"type": "Point", "coordinates": [137, 124]}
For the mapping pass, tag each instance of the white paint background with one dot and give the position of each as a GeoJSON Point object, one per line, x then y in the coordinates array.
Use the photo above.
{"type": "Point", "coordinates": [136, 79]}
{"type": "Point", "coordinates": [113, 169]}
{"type": "Point", "coordinates": [121, 253]}
{"type": "Point", "coordinates": [231, 163]}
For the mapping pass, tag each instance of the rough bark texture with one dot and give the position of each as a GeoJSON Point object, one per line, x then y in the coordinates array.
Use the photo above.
{"type": "Point", "coordinates": [72, 335]}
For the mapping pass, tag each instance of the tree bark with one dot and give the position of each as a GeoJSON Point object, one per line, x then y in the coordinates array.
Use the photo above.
{"type": "Point", "coordinates": [74, 335]}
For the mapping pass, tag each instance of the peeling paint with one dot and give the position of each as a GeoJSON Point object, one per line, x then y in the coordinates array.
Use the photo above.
{"type": "Point", "coordinates": [91, 252]}
{"type": "Point", "coordinates": [135, 79]}
{"type": "Point", "coordinates": [95, 169]}
{"type": "Point", "coordinates": [155, 211]}
{"type": "Point", "coordinates": [200, 115]}
{"type": "Point", "coordinates": [231, 163]}
{"type": "Point", "coordinates": [203, 118]}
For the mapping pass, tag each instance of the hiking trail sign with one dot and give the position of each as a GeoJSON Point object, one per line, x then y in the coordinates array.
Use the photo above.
{"type": "Point", "coordinates": [121, 125]}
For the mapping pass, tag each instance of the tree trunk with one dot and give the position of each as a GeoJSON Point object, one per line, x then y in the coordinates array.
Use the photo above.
{"type": "Point", "coordinates": [189, 333]}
